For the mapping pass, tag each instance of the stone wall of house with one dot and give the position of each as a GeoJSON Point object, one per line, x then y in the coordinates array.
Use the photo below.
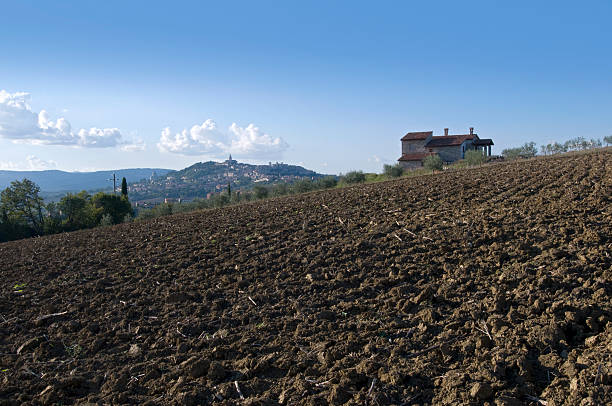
{"type": "Point", "coordinates": [449, 154]}
{"type": "Point", "coordinates": [453, 153]}
{"type": "Point", "coordinates": [411, 164]}
{"type": "Point", "coordinates": [414, 145]}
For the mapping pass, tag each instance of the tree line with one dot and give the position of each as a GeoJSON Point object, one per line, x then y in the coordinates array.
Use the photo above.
{"type": "Point", "coordinates": [23, 212]}
{"type": "Point", "coordinates": [530, 149]}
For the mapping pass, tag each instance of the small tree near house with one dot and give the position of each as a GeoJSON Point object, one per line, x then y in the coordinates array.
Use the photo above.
{"type": "Point", "coordinates": [354, 177]}
{"type": "Point", "coordinates": [433, 163]}
{"type": "Point", "coordinates": [393, 171]}
{"type": "Point", "coordinates": [475, 157]}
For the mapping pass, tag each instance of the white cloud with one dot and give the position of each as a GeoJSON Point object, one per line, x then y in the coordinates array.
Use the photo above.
{"type": "Point", "coordinates": [36, 164]}
{"type": "Point", "coordinates": [202, 139]}
{"type": "Point", "coordinates": [32, 163]}
{"type": "Point", "coordinates": [8, 166]}
{"type": "Point", "coordinates": [137, 145]}
{"type": "Point", "coordinates": [20, 124]}
{"type": "Point", "coordinates": [251, 142]}
{"type": "Point", "coordinates": [206, 139]}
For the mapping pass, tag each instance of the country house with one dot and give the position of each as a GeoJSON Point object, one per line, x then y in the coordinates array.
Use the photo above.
{"type": "Point", "coordinates": [417, 146]}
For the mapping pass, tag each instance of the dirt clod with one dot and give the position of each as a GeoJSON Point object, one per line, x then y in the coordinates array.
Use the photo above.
{"type": "Point", "coordinates": [481, 390]}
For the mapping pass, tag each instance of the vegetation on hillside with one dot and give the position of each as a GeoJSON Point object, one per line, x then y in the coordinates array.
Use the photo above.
{"type": "Point", "coordinates": [433, 163]}
{"type": "Point", "coordinates": [529, 149]}
{"type": "Point", "coordinates": [202, 178]}
{"type": "Point", "coordinates": [23, 213]}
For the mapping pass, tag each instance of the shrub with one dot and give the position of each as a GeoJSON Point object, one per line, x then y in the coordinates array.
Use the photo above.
{"type": "Point", "coordinates": [327, 182]}
{"type": "Point", "coordinates": [393, 171]}
{"type": "Point", "coordinates": [115, 206]}
{"type": "Point", "coordinates": [220, 200]}
{"type": "Point", "coordinates": [261, 192]}
{"type": "Point", "coordinates": [106, 220]}
{"type": "Point", "coordinates": [475, 157]}
{"type": "Point", "coordinates": [354, 177]}
{"type": "Point", "coordinates": [280, 189]}
{"type": "Point", "coordinates": [144, 214]}
{"type": "Point", "coordinates": [303, 186]}
{"type": "Point", "coordinates": [433, 163]}
{"type": "Point", "coordinates": [526, 151]}
{"type": "Point", "coordinates": [164, 209]}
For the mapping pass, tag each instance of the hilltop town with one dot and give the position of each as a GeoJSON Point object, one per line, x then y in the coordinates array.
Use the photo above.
{"type": "Point", "coordinates": [203, 179]}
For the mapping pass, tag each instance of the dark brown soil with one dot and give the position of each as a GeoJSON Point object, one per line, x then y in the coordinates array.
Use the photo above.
{"type": "Point", "coordinates": [485, 286]}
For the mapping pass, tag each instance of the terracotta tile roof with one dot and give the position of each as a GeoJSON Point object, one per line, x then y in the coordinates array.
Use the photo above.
{"type": "Point", "coordinates": [483, 141]}
{"type": "Point", "coordinates": [421, 135]}
{"type": "Point", "coordinates": [415, 156]}
{"type": "Point", "coordinates": [450, 140]}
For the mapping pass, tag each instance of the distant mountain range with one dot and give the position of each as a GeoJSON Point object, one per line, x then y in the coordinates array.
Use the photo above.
{"type": "Point", "coordinates": [53, 181]}
{"type": "Point", "coordinates": [203, 178]}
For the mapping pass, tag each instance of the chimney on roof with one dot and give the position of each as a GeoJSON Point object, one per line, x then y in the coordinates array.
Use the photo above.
{"type": "Point", "coordinates": [471, 130]}
{"type": "Point", "coordinates": [446, 132]}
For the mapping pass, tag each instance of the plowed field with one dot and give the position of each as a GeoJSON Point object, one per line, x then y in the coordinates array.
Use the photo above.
{"type": "Point", "coordinates": [483, 286]}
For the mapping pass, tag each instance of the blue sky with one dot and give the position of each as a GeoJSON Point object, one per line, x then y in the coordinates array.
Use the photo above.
{"type": "Point", "coordinates": [331, 85]}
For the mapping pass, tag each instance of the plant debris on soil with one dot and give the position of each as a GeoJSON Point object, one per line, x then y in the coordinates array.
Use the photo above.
{"type": "Point", "coordinates": [482, 286]}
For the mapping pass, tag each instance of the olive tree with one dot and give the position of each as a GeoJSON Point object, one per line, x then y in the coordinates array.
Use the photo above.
{"type": "Point", "coordinates": [433, 163]}
{"type": "Point", "coordinates": [393, 171]}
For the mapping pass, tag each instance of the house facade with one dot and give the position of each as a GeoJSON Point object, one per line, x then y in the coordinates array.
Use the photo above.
{"type": "Point", "coordinates": [416, 146]}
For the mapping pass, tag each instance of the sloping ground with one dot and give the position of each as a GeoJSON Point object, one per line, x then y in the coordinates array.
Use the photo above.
{"type": "Point", "coordinates": [487, 286]}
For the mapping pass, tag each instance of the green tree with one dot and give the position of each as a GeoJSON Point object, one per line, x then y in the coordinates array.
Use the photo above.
{"type": "Point", "coordinates": [78, 212]}
{"type": "Point", "coordinates": [529, 149]}
{"type": "Point", "coordinates": [433, 163]}
{"type": "Point", "coordinates": [354, 177]}
{"type": "Point", "coordinates": [52, 223]}
{"type": "Point", "coordinates": [475, 157]}
{"type": "Point", "coordinates": [511, 153]}
{"type": "Point", "coordinates": [608, 140]}
{"type": "Point", "coordinates": [117, 207]}
{"type": "Point", "coordinates": [576, 144]}
{"type": "Point", "coordinates": [303, 186]}
{"type": "Point", "coordinates": [261, 192]}
{"type": "Point", "coordinates": [393, 171]}
{"type": "Point", "coordinates": [327, 182]}
{"type": "Point", "coordinates": [595, 143]}
{"type": "Point", "coordinates": [280, 189]}
{"type": "Point", "coordinates": [557, 148]}
{"type": "Point", "coordinates": [21, 204]}
{"type": "Point", "coordinates": [124, 188]}
{"type": "Point", "coordinates": [220, 200]}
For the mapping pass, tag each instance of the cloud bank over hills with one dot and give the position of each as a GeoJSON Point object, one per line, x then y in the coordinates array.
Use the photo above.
{"type": "Point", "coordinates": [32, 163]}
{"type": "Point", "coordinates": [207, 139]}
{"type": "Point", "coordinates": [19, 123]}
